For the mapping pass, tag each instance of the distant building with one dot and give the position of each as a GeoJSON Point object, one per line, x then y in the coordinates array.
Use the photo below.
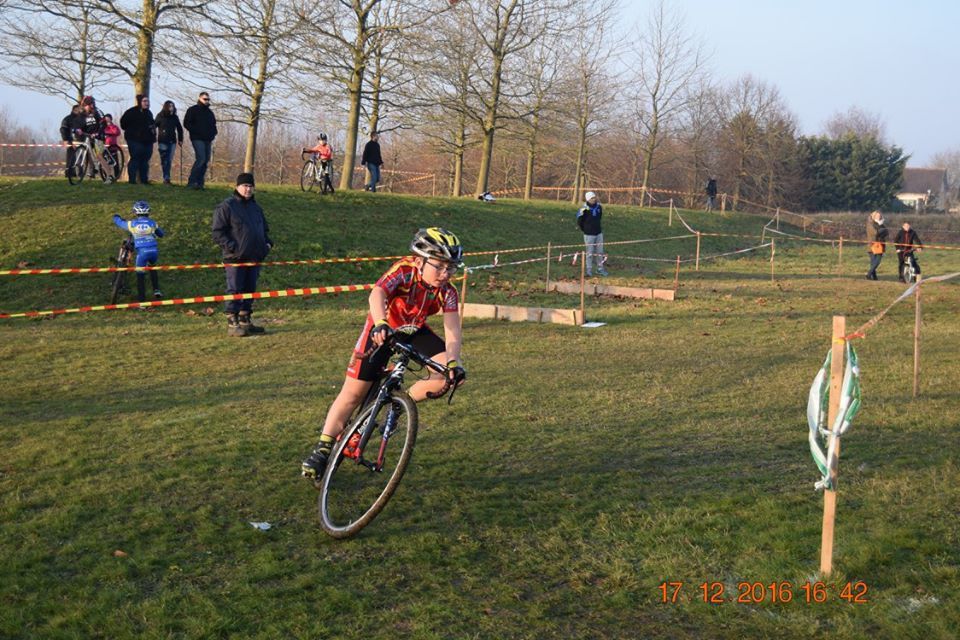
{"type": "Point", "coordinates": [924, 189]}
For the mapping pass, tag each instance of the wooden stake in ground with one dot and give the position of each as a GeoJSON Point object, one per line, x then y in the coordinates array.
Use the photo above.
{"type": "Point", "coordinates": [548, 267]}
{"type": "Point", "coordinates": [676, 277]}
{"type": "Point", "coordinates": [840, 257]}
{"type": "Point", "coordinates": [463, 297]}
{"type": "Point", "coordinates": [837, 359]}
{"type": "Point", "coordinates": [697, 263]}
{"type": "Point", "coordinates": [916, 340]}
{"type": "Point", "coordinates": [583, 284]}
{"type": "Point", "coordinates": [773, 252]}
{"type": "Point", "coordinates": [670, 219]}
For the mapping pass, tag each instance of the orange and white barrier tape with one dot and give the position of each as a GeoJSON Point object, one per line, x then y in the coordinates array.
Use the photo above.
{"type": "Point", "coordinates": [187, 267]}
{"type": "Point", "coordinates": [258, 295]}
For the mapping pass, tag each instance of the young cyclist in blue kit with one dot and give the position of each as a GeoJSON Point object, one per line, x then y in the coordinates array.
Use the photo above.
{"type": "Point", "coordinates": [145, 233]}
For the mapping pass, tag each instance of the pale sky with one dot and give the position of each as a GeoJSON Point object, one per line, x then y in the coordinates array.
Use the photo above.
{"type": "Point", "coordinates": [892, 58]}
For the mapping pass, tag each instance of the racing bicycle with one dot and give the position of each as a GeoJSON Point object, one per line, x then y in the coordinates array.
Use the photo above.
{"type": "Point", "coordinates": [373, 451]}
{"type": "Point", "coordinates": [85, 162]}
{"type": "Point", "coordinates": [316, 172]}
{"type": "Point", "coordinates": [118, 283]}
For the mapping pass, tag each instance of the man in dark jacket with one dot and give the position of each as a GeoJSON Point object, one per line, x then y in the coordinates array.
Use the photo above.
{"type": "Point", "coordinates": [711, 191]}
{"type": "Point", "coordinates": [241, 230]}
{"type": "Point", "coordinates": [73, 121]}
{"type": "Point", "coordinates": [140, 132]}
{"type": "Point", "coordinates": [169, 137]}
{"type": "Point", "coordinates": [372, 160]}
{"type": "Point", "coordinates": [907, 241]}
{"type": "Point", "coordinates": [200, 121]}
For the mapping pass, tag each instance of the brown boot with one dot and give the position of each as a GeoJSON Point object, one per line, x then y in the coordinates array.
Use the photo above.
{"type": "Point", "coordinates": [234, 328]}
{"type": "Point", "coordinates": [244, 320]}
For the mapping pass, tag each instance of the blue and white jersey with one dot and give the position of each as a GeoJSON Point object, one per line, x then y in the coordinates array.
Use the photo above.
{"type": "Point", "coordinates": [144, 231]}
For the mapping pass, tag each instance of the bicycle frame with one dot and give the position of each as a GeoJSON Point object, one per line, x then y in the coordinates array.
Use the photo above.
{"type": "Point", "coordinates": [379, 395]}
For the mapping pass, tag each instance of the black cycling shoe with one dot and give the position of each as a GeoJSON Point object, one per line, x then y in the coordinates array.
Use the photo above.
{"type": "Point", "coordinates": [313, 467]}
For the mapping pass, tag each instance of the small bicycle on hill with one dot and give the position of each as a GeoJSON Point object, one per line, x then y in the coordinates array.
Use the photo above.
{"type": "Point", "coordinates": [359, 481]}
{"type": "Point", "coordinates": [118, 283]}
{"type": "Point", "coordinates": [911, 268]}
{"type": "Point", "coordinates": [316, 172]}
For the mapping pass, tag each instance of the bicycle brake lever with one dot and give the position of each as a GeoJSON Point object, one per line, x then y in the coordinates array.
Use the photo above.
{"type": "Point", "coordinates": [453, 390]}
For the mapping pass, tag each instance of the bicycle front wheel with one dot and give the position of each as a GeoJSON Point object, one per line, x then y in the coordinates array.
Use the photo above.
{"type": "Point", "coordinates": [358, 485]}
{"type": "Point", "coordinates": [308, 176]}
{"type": "Point", "coordinates": [118, 284]}
{"type": "Point", "coordinates": [79, 166]}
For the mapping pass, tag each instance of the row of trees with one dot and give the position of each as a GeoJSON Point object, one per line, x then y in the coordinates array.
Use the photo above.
{"type": "Point", "coordinates": [501, 93]}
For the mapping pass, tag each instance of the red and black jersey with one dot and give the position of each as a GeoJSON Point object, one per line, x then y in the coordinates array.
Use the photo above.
{"type": "Point", "coordinates": [409, 301]}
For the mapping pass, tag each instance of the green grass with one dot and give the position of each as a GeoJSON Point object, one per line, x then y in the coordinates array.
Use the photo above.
{"type": "Point", "coordinates": [577, 471]}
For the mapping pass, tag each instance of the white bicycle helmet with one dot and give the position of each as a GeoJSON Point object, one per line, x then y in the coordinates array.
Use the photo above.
{"type": "Point", "coordinates": [141, 207]}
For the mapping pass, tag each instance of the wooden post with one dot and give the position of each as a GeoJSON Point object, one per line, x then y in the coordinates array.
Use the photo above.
{"type": "Point", "coordinates": [433, 188]}
{"type": "Point", "coordinates": [697, 263]}
{"type": "Point", "coordinates": [548, 267]}
{"type": "Point", "coordinates": [773, 251]}
{"type": "Point", "coordinates": [830, 495]}
{"type": "Point", "coordinates": [840, 257]}
{"type": "Point", "coordinates": [583, 284]}
{"type": "Point", "coordinates": [778, 218]}
{"type": "Point", "coordinates": [676, 276]}
{"type": "Point", "coordinates": [916, 340]}
{"type": "Point", "coordinates": [463, 297]}
{"type": "Point", "coordinates": [723, 202]}
{"type": "Point", "coordinates": [670, 220]}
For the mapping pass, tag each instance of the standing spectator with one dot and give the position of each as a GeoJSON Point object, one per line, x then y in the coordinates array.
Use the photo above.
{"type": "Point", "coordinates": [202, 125]}
{"type": "Point", "coordinates": [241, 230]}
{"type": "Point", "coordinates": [711, 191]}
{"type": "Point", "coordinates": [91, 126]}
{"type": "Point", "coordinates": [169, 136]}
{"type": "Point", "coordinates": [372, 160]}
{"type": "Point", "coordinates": [588, 219]}
{"type": "Point", "coordinates": [876, 242]}
{"type": "Point", "coordinates": [140, 133]}
{"type": "Point", "coordinates": [73, 121]}
{"type": "Point", "coordinates": [907, 241]}
{"type": "Point", "coordinates": [111, 133]}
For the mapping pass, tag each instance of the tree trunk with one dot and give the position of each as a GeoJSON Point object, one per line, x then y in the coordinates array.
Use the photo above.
{"type": "Point", "coordinates": [650, 147]}
{"type": "Point", "coordinates": [256, 101]}
{"type": "Point", "coordinates": [353, 122]}
{"type": "Point", "coordinates": [581, 161]}
{"type": "Point", "coordinates": [531, 157]}
{"type": "Point", "coordinates": [490, 126]}
{"type": "Point", "coordinates": [145, 41]}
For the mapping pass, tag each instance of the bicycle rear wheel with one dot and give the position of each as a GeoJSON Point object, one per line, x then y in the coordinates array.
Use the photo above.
{"type": "Point", "coordinates": [355, 491]}
{"type": "Point", "coordinates": [308, 177]}
{"type": "Point", "coordinates": [114, 162]}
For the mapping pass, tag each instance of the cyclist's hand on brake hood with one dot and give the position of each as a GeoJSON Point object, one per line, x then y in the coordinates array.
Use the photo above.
{"type": "Point", "coordinates": [456, 374]}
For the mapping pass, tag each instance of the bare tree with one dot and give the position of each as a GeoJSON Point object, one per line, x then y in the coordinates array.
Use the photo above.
{"type": "Point", "coordinates": [590, 79]}
{"type": "Point", "coordinates": [697, 133]}
{"type": "Point", "coordinates": [343, 38]}
{"type": "Point", "coordinates": [750, 108]}
{"type": "Point", "coordinates": [668, 61]}
{"type": "Point", "coordinates": [504, 28]}
{"type": "Point", "coordinates": [71, 65]}
{"type": "Point", "coordinates": [238, 49]}
{"type": "Point", "coordinates": [135, 25]}
{"type": "Point", "coordinates": [949, 160]}
{"type": "Point", "coordinates": [858, 122]}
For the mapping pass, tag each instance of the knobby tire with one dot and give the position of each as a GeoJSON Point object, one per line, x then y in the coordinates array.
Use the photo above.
{"type": "Point", "coordinates": [348, 472]}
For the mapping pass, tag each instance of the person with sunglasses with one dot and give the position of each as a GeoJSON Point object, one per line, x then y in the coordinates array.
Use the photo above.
{"type": "Point", "coordinates": [411, 290]}
{"type": "Point", "coordinates": [201, 123]}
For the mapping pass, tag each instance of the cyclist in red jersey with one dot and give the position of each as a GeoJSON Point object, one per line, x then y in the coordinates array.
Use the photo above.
{"type": "Point", "coordinates": [322, 149]}
{"type": "Point", "coordinates": [411, 290]}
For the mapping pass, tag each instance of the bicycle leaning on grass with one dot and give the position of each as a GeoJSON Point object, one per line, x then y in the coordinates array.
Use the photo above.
{"type": "Point", "coordinates": [374, 449]}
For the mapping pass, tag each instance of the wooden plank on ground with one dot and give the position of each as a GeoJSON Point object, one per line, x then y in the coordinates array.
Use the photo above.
{"type": "Point", "coordinates": [645, 293]}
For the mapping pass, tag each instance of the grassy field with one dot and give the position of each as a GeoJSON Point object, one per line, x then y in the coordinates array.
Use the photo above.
{"type": "Point", "coordinates": [577, 471]}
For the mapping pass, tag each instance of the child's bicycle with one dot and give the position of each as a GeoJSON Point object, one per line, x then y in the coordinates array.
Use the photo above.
{"type": "Point", "coordinates": [911, 268]}
{"type": "Point", "coordinates": [359, 480]}
{"type": "Point", "coordinates": [118, 284]}
{"type": "Point", "coordinates": [316, 172]}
